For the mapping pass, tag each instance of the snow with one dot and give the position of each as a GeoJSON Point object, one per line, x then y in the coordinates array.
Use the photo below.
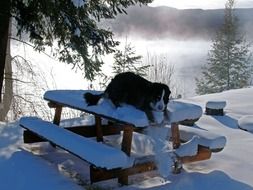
{"type": "Point", "coordinates": [78, 121]}
{"type": "Point", "coordinates": [95, 153]}
{"type": "Point", "coordinates": [179, 111]}
{"type": "Point", "coordinates": [190, 148]}
{"type": "Point", "coordinates": [216, 104]}
{"type": "Point", "coordinates": [206, 138]}
{"type": "Point", "coordinates": [162, 151]}
{"type": "Point", "coordinates": [77, 32]}
{"type": "Point", "coordinates": [229, 169]}
{"type": "Point", "coordinates": [79, 3]}
{"type": "Point", "coordinates": [246, 123]}
{"type": "Point", "coordinates": [25, 171]}
{"type": "Point", "coordinates": [125, 113]}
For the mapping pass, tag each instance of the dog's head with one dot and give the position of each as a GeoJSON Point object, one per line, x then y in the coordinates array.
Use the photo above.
{"type": "Point", "coordinates": [159, 96]}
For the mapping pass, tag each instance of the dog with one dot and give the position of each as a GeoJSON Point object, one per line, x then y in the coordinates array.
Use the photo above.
{"type": "Point", "coordinates": [134, 90]}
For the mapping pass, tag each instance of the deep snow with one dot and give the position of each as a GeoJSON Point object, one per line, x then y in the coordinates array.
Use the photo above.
{"type": "Point", "coordinates": [230, 169]}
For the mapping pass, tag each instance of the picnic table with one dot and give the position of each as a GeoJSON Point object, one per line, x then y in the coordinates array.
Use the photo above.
{"type": "Point", "coordinates": [105, 161]}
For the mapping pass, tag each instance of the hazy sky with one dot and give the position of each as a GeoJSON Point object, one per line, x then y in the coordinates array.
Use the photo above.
{"type": "Point", "coordinates": [203, 4]}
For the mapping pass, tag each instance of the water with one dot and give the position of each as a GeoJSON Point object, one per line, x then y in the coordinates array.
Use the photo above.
{"type": "Point", "coordinates": [187, 57]}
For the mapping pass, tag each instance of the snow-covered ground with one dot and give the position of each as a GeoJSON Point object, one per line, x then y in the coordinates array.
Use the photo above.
{"type": "Point", "coordinates": [230, 169]}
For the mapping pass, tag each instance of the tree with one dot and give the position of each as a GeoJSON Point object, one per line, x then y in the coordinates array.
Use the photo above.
{"type": "Point", "coordinates": [8, 85]}
{"type": "Point", "coordinates": [228, 63]}
{"type": "Point", "coordinates": [72, 24]}
{"type": "Point", "coordinates": [5, 7]}
{"type": "Point", "coordinates": [161, 70]}
{"type": "Point", "coordinates": [125, 61]}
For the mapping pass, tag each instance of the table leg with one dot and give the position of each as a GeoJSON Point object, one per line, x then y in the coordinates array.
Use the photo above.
{"type": "Point", "coordinates": [57, 115]}
{"type": "Point", "coordinates": [175, 135]}
{"type": "Point", "coordinates": [126, 147]}
{"type": "Point", "coordinates": [176, 143]}
{"type": "Point", "coordinates": [99, 131]}
{"type": "Point", "coordinates": [127, 139]}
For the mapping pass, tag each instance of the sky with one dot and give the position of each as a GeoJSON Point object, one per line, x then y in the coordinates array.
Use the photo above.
{"type": "Point", "coordinates": [203, 4]}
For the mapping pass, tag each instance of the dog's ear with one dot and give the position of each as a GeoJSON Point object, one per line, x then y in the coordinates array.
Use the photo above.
{"type": "Point", "coordinates": [167, 94]}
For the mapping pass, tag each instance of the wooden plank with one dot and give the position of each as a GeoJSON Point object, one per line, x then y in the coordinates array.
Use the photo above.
{"type": "Point", "coordinates": [90, 131]}
{"type": "Point", "coordinates": [218, 112]}
{"type": "Point", "coordinates": [30, 137]}
{"type": "Point", "coordinates": [86, 131]}
{"type": "Point", "coordinates": [203, 154]}
{"type": "Point", "coordinates": [77, 141]}
{"type": "Point", "coordinates": [188, 122]}
{"type": "Point", "coordinates": [98, 174]}
{"type": "Point", "coordinates": [175, 135]}
{"type": "Point", "coordinates": [54, 103]}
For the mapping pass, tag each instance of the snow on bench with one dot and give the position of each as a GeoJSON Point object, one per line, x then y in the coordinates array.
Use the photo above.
{"type": "Point", "coordinates": [246, 123]}
{"type": "Point", "coordinates": [144, 144]}
{"type": "Point", "coordinates": [215, 107]}
{"type": "Point", "coordinates": [99, 154]}
{"type": "Point", "coordinates": [208, 139]}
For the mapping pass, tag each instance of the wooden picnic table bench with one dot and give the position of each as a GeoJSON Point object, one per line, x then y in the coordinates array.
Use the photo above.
{"type": "Point", "coordinates": [118, 121]}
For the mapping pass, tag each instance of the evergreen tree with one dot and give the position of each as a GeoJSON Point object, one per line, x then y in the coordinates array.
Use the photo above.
{"type": "Point", "coordinates": [228, 63]}
{"type": "Point", "coordinates": [127, 60]}
{"type": "Point", "coordinates": [72, 24]}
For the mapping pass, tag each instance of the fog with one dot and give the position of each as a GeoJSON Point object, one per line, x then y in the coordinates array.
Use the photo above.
{"type": "Point", "coordinates": [165, 22]}
{"type": "Point", "coordinates": [187, 56]}
{"type": "Point", "coordinates": [182, 36]}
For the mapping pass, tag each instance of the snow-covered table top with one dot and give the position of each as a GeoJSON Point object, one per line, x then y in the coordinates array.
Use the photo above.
{"type": "Point", "coordinates": [74, 99]}
{"type": "Point", "coordinates": [178, 111]}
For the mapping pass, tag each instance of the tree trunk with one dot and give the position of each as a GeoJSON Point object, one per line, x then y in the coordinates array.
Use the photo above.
{"type": "Point", "coordinates": [5, 6]}
{"type": "Point", "coordinates": [8, 83]}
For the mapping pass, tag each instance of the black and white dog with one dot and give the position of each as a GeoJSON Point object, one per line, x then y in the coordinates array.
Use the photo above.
{"type": "Point", "coordinates": [132, 89]}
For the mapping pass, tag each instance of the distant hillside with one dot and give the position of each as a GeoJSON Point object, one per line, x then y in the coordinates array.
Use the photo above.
{"type": "Point", "coordinates": [159, 22]}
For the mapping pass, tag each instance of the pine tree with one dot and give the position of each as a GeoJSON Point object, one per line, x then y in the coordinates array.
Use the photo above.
{"type": "Point", "coordinates": [71, 24]}
{"type": "Point", "coordinates": [228, 63]}
{"type": "Point", "coordinates": [127, 60]}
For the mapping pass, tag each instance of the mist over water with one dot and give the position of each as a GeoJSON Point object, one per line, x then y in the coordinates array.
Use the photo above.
{"type": "Point", "coordinates": [183, 37]}
{"type": "Point", "coordinates": [187, 57]}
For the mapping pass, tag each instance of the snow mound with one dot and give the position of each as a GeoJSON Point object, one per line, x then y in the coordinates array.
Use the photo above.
{"type": "Point", "coordinates": [189, 148]}
{"type": "Point", "coordinates": [246, 123]}
{"type": "Point", "coordinates": [217, 104]}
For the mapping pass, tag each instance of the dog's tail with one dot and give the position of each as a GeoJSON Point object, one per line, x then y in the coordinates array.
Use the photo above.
{"type": "Point", "coordinates": [92, 99]}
